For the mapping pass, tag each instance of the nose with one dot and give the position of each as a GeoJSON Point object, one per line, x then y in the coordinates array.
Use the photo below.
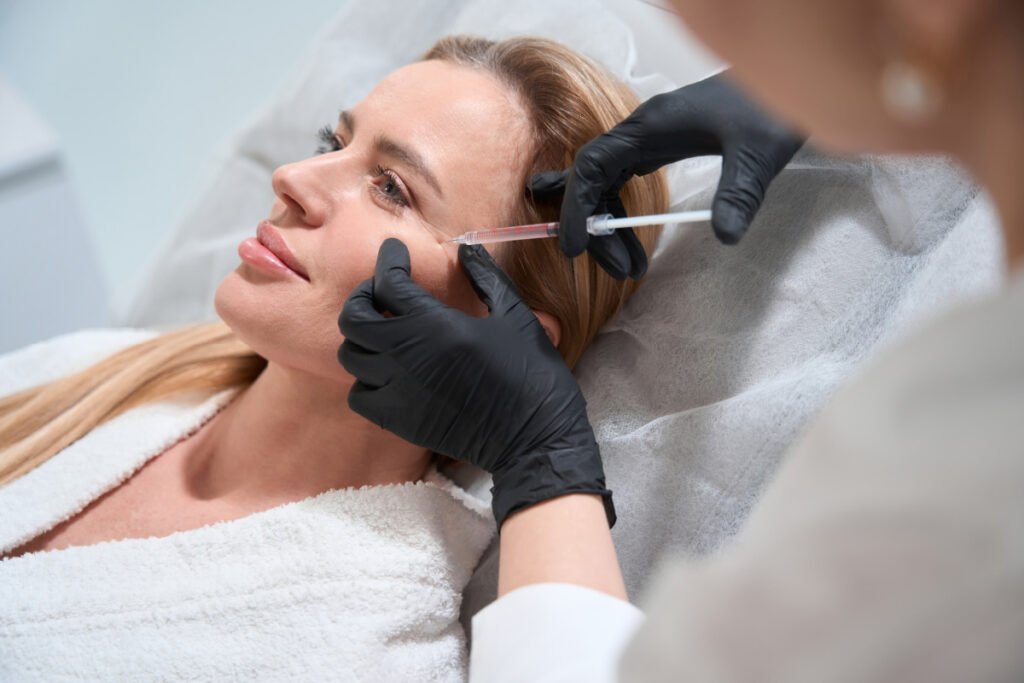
{"type": "Point", "coordinates": [300, 187]}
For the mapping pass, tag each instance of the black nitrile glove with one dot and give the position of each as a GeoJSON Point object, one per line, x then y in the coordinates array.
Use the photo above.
{"type": "Point", "coordinates": [491, 391]}
{"type": "Point", "coordinates": [708, 117]}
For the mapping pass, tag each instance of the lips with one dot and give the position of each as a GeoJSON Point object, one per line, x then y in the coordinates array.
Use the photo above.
{"type": "Point", "coordinates": [269, 237]}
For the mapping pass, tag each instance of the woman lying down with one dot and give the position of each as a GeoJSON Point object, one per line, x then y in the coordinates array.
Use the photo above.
{"type": "Point", "coordinates": [203, 503]}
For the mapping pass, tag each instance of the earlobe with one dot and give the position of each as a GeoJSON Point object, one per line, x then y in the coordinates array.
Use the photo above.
{"type": "Point", "coordinates": [551, 327]}
{"type": "Point", "coordinates": [926, 47]}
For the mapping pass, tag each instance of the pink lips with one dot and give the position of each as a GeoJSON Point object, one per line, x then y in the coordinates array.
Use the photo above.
{"type": "Point", "coordinates": [269, 252]}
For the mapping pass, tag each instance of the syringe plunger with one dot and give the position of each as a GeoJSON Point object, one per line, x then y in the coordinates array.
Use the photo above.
{"type": "Point", "coordinates": [598, 225]}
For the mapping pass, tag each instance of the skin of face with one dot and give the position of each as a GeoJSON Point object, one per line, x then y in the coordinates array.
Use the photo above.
{"type": "Point", "coordinates": [335, 209]}
{"type": "Point", "coordinates": [818, 64]}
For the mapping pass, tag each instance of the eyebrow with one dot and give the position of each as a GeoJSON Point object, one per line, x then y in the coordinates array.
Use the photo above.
{"type": "Point", "coordinates": [401, 153]}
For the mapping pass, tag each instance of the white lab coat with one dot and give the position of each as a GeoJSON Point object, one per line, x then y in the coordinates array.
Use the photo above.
{"type": "Point", "coordinates": [890, 546]}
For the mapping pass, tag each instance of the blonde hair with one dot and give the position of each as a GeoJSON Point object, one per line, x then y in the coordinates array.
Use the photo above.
{"type": "Point", "coordinates": [569, 100]}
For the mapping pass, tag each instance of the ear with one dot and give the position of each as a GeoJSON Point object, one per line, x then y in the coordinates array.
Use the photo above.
{"type": "Point", "coordinates": [551, 326]}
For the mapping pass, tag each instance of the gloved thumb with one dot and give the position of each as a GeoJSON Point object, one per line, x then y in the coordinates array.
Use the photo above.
{"type": "Point", "coordinates": [393, 287]}
{"type": "Point", "coordinates": [740, 192]}
{"type": "Point", "coordinates": [547, 186]}
{"type": "Point", "coordinates": [491, 283]}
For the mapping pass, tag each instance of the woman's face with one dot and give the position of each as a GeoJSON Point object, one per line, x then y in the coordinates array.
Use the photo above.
{"type": "Point", "coordinates": [434, 150]}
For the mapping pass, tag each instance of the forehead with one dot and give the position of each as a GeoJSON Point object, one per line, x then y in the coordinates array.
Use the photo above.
{"type": "Point", "coordinates": [469, 128]}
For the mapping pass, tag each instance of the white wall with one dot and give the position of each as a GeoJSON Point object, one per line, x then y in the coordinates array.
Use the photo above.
{"type": "Point", "coordinates": [139, 92]}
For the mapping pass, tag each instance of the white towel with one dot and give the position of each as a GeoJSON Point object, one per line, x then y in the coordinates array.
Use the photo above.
{"type": "Point", "coordinates": [351, 585]}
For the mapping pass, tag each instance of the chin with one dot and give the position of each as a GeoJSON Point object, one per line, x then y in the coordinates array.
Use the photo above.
{"type": "Point", "coordinates": [252, 313]}
{"type": "Point", "coordinates": [236, 306]}
{"type": "Point", "coordinates": [266, 327]}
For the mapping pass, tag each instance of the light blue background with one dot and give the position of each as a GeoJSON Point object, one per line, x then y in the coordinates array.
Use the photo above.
{"type": "Point", "coordinates": [140, 92]}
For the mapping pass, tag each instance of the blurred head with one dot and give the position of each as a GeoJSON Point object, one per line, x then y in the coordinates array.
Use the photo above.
{"type": "Point", "coordinates": [439, 147]}
{"type": "Point", "coordinates": [821, 64]}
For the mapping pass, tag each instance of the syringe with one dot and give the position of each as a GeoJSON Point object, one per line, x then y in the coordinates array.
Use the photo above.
{"type": "Point", "coordinates": [600, 225]}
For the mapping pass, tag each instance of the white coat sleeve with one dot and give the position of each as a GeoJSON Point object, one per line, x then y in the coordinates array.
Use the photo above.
{"type": "Point", "coordinates": [888, 548]}
{"type": "Point", "coordinates": [571, 634]}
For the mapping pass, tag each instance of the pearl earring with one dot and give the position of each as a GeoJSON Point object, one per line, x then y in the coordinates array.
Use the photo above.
{"type": "Point", "coordinates": [910, 93]}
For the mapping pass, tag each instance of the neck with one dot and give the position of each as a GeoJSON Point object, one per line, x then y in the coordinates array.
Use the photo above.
{"type": "Point", "coordinates": [1002, 180]}
{"type": "Point", "coordinates": [290, 435]}
{"type": "Point", "coordinates": [992, 146]}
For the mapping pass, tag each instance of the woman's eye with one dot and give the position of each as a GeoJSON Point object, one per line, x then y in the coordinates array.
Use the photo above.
{"type": "Point", "coordinates": [389, 187]}
{"type": "Point", "coordinates": [329, 142]}
{"type": "Point", "coordinates": [386, 184]}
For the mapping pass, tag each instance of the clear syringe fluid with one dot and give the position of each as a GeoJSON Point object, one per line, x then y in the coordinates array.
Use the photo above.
{"type": "Point", "coordinates": [599, 225]}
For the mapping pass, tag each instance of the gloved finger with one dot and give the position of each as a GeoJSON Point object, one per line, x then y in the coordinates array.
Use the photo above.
{"type": "Point", "coordinates": [635, 250]}
{"type": "Point", "coordinates": [364, 324]}
{"type": "Point", "coordinates": [359, 314]}
{"type": "Point", "coordinates": [740, 192]}
{"type": "Point", "coordinates": [610, 253]}
{"type": "Point", "coordinates": [613, 205]}
{"type": "Point", "coordinates": [606, 250]}
{"type": "Point", "coordinates": [393, 288]}
{"type": "Point", "coordinates": [548, 186]}
{"type": "Point", "coordinates": [595, 172]}
{"type": "Point", "coordinates": [491, 283]}
{"type": "Point", "coordinates": [372, 369]}
{"type": "Point", "coordinates": [376, 404]}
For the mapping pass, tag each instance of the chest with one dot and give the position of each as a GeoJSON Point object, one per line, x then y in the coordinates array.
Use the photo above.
{"type": "Point", "coordinates": [154, 501]}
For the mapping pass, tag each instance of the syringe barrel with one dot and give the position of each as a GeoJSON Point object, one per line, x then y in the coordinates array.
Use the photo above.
{"type": "Point", "coordinates": [512, 233]}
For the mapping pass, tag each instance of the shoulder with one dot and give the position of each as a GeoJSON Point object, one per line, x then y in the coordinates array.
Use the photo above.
{"type": "Point", "coordinates": [48, 360]}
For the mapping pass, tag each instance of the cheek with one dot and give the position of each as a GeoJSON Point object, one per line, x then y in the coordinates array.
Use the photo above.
{"type": "Point", "coordinates": [457, 291]}
{"type": "Point", "coordinates": [434, 266]}
{"type": "Point", "coordinates": [296, 325]}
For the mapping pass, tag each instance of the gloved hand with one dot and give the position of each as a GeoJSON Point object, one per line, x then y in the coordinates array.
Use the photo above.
{"type": "Point", "coordinates": [491, 391]}
{"type": "Point", "coordinates": [708, 117]}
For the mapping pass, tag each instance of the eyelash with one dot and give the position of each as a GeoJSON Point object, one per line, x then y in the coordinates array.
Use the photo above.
{"type": "Point", "coordinates": [330, 143]}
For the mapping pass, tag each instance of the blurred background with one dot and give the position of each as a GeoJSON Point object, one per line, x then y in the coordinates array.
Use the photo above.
{"type": "Point", "coordinates": [109, 110]}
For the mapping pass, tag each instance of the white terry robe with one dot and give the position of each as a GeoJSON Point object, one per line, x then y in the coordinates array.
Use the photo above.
{"type": "Point", "coordinates": [350, 585]}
